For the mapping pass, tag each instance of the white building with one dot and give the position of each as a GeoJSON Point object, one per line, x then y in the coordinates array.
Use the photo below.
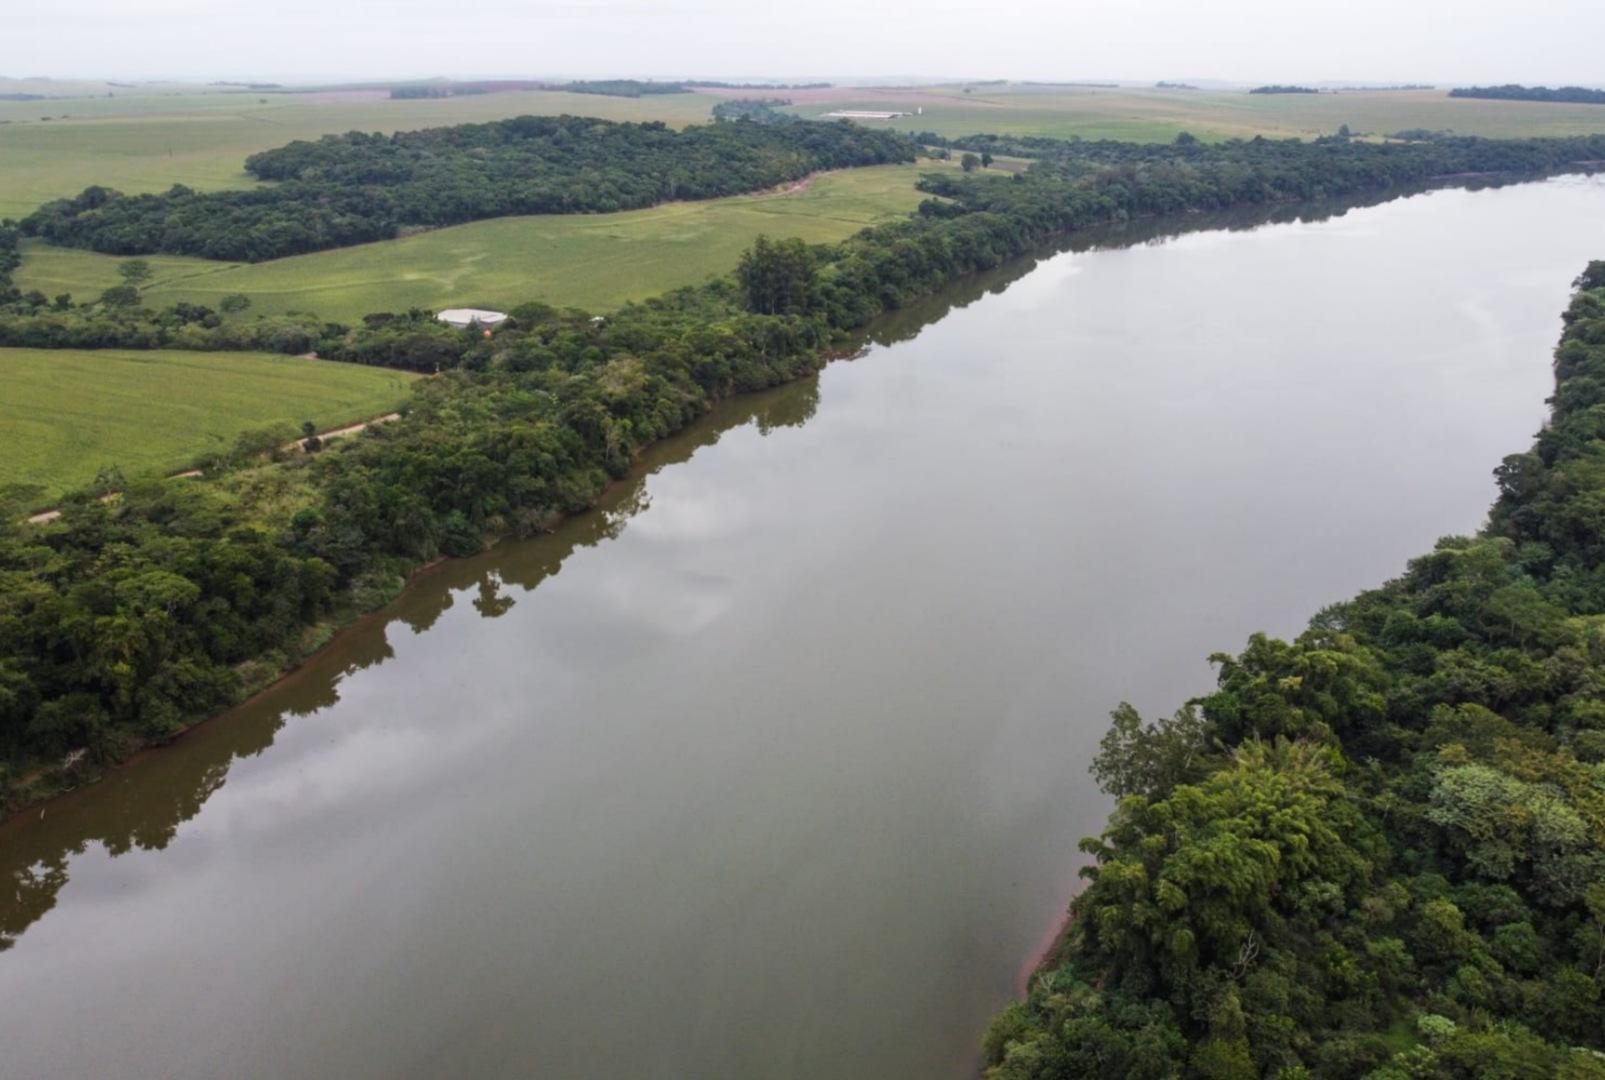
{"type": "Point", "coordinates": [863, 114]}
{"type": "Point", "coordinates": [467, 316]}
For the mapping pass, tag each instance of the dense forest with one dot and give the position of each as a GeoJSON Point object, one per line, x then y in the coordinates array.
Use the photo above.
{"type": "Point", "coordinates": [354, 188]}
{"type": "Point", "coordinates": [1329, 164]}
{"type": "Point", "coordinates": [974, 221]}
{"type": "Point", "coordinates": [1512, 92]}
{"type": "Point", "coordinates": [10, 259]}
{"type": "Point", "coordinates": [760, 110]}
{"type": "Point", "coordinates": [1378, 850]}
{"type": "Point", "coordinates": [123, 621]}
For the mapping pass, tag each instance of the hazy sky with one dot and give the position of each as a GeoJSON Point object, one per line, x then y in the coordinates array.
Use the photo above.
{"type": "Point", "coordinates": [1554, 41]}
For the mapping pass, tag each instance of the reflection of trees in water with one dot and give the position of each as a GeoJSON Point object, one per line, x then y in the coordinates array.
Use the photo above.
{"type": "Point", "coordinates": [908, 322]}
{"type": "Point", "coordinates": [422, 616]}
{"type": "Point", "coordinates": [790, 410]}
{"type": "Point", "coordinates": [492, 603]}
{"type": "Point", "coordinates": [33, 892]}
{"type": "Point", "coordinates": [143, 804]}
{"type": "Point", "coordinates": [143, 815]}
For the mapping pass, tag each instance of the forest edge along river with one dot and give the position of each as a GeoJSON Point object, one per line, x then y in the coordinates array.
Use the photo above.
{"type": "Point", "coordinates": [694, 788]}
{"type": "Point", "coordinates": [893, 326]}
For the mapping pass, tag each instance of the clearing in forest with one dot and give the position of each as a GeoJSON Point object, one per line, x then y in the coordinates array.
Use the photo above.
{"type": "Point", "coordinates": [67, 413]}
{"type": "Point", "coordinates": [592, 261]}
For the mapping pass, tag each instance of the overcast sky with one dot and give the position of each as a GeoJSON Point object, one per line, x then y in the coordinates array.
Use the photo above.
{"type": "Point", "coordinates": [1444, 41]}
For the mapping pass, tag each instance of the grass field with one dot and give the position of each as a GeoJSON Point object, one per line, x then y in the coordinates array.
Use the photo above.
{"type": "Point", "coordinates": [68, 414]}
{"type": "Point", "coordinates": [593, 261]}
{"type": "Point", "coordinates": [143, 141]}
{"type": "Point", "coordinates": [1158, 115]}
{"type": "Point", "coordinates": [149, 142]}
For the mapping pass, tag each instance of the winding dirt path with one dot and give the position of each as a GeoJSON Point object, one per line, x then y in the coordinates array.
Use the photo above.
{"type": "Point", "coordinates": [54, 512]}
{"type": "Point", "coordinates": [340, 432]}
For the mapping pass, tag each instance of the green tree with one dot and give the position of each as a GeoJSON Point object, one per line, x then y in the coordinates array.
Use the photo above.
{"type": "Point", "coordinates": [778, 277]}
{"type": "Point", "coordinates": [135, 272]}
{"type": "Point", "coordinates": [234, 303]}
{"type": "Point", "coordinates": [262, 442]}
{"type": "Point", "coordinates": [1210, 875]}
{"type": "Point", "coordinates": [1134, 759]}
{"type": "Point", "coordinates": [120, 296]}
{"type": "Point", "coordinates": [969, 162]}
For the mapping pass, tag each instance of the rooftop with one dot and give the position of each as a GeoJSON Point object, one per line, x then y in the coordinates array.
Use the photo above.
{"type": "Point", "coordinates": [467, 316]}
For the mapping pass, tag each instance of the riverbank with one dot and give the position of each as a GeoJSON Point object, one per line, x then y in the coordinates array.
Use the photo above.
{"type": "Point", "coordinates": [1200, 941]}
{"type": "Point", "coordinates": [43, 783]}
{"type": "Point", "coordinates": [528, 427]}
{"type": "Point", "coordinates": [774, 717]}
{"type": "Point", "coordinates": [1048, 952]}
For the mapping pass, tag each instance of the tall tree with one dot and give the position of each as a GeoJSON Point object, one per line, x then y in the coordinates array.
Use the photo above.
{"type": "Point", "coordinates": [778, 277]}
{"type": "Point", "coordinates": [135, 272]}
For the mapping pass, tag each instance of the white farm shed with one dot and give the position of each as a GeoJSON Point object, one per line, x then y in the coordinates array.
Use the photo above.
{"type": "Point", "coordinates": [467, 316]}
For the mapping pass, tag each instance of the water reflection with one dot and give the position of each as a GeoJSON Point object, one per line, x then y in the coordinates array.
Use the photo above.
{"type": "Point", "coordinates": [143, 805]}
{"type": "Point", "coordinates": [907, 323]}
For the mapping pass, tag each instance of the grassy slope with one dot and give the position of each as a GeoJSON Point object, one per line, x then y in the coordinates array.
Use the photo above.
{"type": "Point", "coordinates": [1155, 115]}
{"type": "Point", "coordinates": [67, 414]}
{"type": "Point", "coordinates": [594, 261]}
{"type": "Point", "coordinates": [150, 142]}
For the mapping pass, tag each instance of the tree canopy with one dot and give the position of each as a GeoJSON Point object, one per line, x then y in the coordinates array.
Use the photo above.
{"type": "Point", "coordinates": [1375, 850]}
{"type": "Point", "coordinates": [355, 188]}
{"type": "Point", "coordinates": [1514, 92]}
{"type": "Point", "coordinates": [1378, 850]}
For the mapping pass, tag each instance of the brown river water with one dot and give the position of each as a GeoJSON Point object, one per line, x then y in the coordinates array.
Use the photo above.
{"type": "Point", "coordinates": [775, 765]}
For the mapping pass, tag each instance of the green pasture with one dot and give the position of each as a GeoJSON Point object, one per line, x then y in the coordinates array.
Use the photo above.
{"type": "Point", "coordinates": [67, 414]}
{"type": "Point", "coordinates": [147, 139]}
{"type": "Point", "coordinates": [593, 261]}
{"type": "Point", "coordinates": [138, 142]}
{"type": "Point", "coordinates": [1159, 115]}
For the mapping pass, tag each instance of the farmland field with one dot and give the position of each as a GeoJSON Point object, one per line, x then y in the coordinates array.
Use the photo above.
{"type": "Point", "coordinates": [142, 143]}
{"type": "Point", "coordinates": [67, 414]}
{"type": "Point", "coordinates": [593, 261]}
{"type": "Point", "coordinates": [1158, 115]}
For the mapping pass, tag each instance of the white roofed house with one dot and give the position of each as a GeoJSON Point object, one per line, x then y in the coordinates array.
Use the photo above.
{"type": "Point", "coordinates": [467, 316]}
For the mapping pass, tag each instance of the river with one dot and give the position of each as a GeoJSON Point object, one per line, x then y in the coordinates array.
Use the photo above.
{"type": "Point", "coordinates": [775, 765]}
